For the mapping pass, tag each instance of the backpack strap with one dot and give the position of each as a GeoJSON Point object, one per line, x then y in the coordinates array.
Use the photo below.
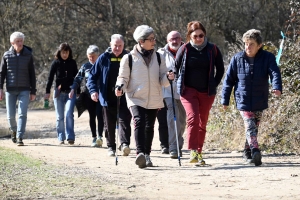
{"type": "Point", "coordinates": [158, 58]}
{"type": "Point", "coordinates": [130, 61]}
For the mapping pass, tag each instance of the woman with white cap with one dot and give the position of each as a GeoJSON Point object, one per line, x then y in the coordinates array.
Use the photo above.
{"type": "Point", "coordinates": [142, 81]}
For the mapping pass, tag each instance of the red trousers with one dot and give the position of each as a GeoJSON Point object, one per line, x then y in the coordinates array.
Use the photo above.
{"type": "Point", "coordinates": [197, 106]}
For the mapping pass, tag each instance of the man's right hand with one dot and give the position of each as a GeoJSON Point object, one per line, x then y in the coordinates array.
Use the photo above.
{"type": "Point", "coordinates": [1, 94]}
{"type": "Point", "coordinates": [95, 96]}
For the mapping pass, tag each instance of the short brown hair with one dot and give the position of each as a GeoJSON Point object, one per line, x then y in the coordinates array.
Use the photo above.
{"type": "Point", "coordinates": [191, 27]}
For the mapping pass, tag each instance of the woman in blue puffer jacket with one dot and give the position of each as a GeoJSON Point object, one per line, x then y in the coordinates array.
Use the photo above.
{"type": "Point", "coordinates": [249, 72]}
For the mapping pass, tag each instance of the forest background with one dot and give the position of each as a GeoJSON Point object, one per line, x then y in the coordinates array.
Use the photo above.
{"type": "Point", "coordinates": [47, 23]}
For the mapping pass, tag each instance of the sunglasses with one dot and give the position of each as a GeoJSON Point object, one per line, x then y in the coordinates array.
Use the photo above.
{"type": "Point", "coordinates": [200, 36]}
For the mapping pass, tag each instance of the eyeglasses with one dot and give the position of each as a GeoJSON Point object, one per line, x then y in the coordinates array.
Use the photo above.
{"type": "Point", "coordinates": [151, 39]}
{"type": "Point", "coordinates": [200, 36]}
{"type": "Point", "coordinates": [176, 38]}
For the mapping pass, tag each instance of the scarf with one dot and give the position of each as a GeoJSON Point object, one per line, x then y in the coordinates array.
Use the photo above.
{"type": "Point", "coordinates": [146, 54]}
{"type": "Point", "coordinates": [199, 47]}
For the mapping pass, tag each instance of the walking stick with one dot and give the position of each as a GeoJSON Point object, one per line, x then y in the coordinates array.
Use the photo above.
{"type": "Point", "coordinates": [175, 124]}
{"type": "Point", "coordinates": [117, 124]}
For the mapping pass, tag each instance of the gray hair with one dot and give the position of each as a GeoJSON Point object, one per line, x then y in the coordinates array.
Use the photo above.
{"type": "Point", "coordinates": [253, 34]}
{"type": "Point", "coordinates": [92, 49]}
{"type": "Point", "coordinates": [142, 32]}
{"type": "Point", "coordinates": [117, 37]}
{"type": "Point", "coordinates": [16, 35]}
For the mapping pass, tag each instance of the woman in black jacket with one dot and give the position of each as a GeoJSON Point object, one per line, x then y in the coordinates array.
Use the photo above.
{"type": "Point", "coordinates": [64, 67]}
{"type": "Point", "coordinates": [200, 65]}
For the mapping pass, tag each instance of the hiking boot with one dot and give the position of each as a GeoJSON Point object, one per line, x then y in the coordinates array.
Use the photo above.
{"type": "Point", "coordinates": [20, 142]}
{"type": "Point", "coordinates": [247, 155]}
{"type": "Point", "coordinates": [140, 160]}
{"type": "Point", "coordinates": [200, 159]}
{"type": "Point", "coordinates": [148, 161]}
{"type": "Point", "coordinates": [61, 142]}
{"type": "Point", "coordinates": [256, 157]}
{"type": "Point", "coordinates": [99, 141]}
{"type": "Point", "coordinates": [71, 142]}
{"type": "Point", "coordinates": [173, 154]}
{"type": "Point", "coordinates": [193, 156]}
{"type": "Point", "coordinates": [111, 152]}
{"type": "Point", "coordinates": [14, 137]}
{"type": "Point", "coordinates": [164, 150]}
{"type": "Point", "coordinates": [125, 148]}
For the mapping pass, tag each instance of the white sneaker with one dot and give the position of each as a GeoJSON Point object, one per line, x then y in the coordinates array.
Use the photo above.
{"type": "Point", "coordinates": [94, 144]}
{"type": "Point", "coordinates": [125, 148]}
{"type": "Point", "coordinates": [99, 141]}
{"type": "Point", "coordinates": [111, 152]}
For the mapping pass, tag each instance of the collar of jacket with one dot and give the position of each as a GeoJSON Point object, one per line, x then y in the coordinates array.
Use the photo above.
{"type": "Point", "coordinates": [25, 50]}
{"type": "Point", "coordinates": [259, 52]}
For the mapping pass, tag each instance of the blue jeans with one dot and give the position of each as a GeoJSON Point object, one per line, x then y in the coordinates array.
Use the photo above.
{"type": "Point", "coordinates": [64, 108]}
{"type": "Point", "coordinates": [23, 100]}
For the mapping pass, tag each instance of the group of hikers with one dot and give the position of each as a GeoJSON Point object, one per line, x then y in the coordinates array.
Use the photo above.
{"type": "Point", "coordinates": [176, 85]}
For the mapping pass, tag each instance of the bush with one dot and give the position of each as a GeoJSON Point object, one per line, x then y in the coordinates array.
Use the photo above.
{"type": "Point", "coordinates": [279, 130]}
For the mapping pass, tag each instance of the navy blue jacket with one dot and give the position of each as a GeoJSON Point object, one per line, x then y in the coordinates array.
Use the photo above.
{"type": "Point", "coordinates": [251, 90]}
{"type": "Point", "coordinates": [97, 79]}
{"type": "Point", "coordinates": [82, 75]}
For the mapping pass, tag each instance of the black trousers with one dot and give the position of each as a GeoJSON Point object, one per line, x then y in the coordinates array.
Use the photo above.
{"type": "Point", "coordinates": [110, 121]}
{"type": "Point", "coordinates": [95, 110]}
{"type": "Point", "coordinates": [163, 127]}
{"type": "Point", "coordinates": [144, 120]}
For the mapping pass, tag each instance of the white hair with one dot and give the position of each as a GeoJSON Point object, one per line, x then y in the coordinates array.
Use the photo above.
{"type": "Point", "coordinates": [142, 32]}
{"type": "Point", "coordinates": [16, 35]}
{"type": "Point", "coordinates": [117, 37]}
{"type": "Point", "coordinates": [92, 49]}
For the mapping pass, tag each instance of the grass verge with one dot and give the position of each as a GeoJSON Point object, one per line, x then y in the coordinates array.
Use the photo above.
{"type": "Point", "coordinates": [22, 177]}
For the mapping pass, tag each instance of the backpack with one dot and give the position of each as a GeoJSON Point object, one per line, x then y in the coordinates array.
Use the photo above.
{"type": "Point", "coordinates": [130, 60]}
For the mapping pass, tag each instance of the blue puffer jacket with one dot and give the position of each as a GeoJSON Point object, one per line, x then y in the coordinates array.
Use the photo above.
{"type": "Point", "coordinates": [251, 90]}
{"type": "Point", "coordinates": [18, 71]}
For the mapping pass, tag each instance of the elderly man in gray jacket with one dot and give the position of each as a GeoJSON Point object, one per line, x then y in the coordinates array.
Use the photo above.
{"type": "Point", "coordinates": [169, 53]}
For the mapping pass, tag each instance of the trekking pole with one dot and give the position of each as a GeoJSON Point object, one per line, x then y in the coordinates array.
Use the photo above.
{"type": "Point", "coordinates": [117, 124]}
{"type": "Point", "coordinates": [175, 124]}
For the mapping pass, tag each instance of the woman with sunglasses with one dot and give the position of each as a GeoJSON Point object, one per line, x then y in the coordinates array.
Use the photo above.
{"type": "Point", "coordinates": [200, 68]}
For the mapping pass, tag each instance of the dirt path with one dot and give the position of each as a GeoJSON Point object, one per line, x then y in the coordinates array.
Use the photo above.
{"type": "Point", "coordinates": [226, 177]}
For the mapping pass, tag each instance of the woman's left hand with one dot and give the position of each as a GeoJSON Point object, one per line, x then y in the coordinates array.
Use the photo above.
{"type": "Point", "coordinates": [71, 93]}
{"type": "Point", "coordinates": [171, 76]}
{"type": "Point", "coordinates": [277, 92]}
